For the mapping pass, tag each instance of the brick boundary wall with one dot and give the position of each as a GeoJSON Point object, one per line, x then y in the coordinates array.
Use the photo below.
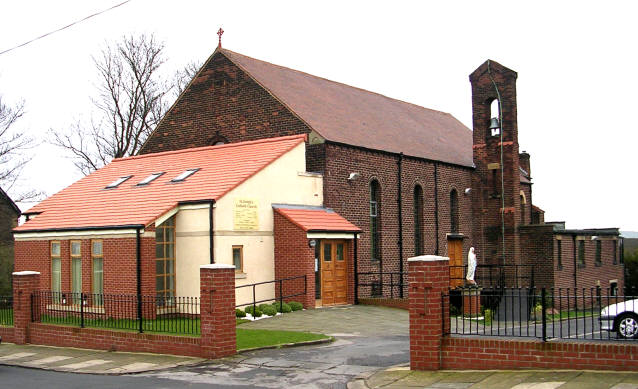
{"type": "Point", "coordinates": [217, 317]}
{"type": "Point", "coordinates": [431, 350]}
{"type": "Point", "coordinates": [6, 333]}
{"type": "Point", "coordinates": [387, 302]}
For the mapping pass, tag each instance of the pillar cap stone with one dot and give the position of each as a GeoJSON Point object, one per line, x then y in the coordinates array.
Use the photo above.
{"type": "Point", "coordinates": [428, 258]}
{"type": "Point", "coordinates": [25, 273]}
{"type": "Point", "coordinates": [217, 266]}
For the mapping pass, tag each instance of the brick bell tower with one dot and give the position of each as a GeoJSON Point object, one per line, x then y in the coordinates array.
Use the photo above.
{"type": "Point", "coordinates": [496, 181]}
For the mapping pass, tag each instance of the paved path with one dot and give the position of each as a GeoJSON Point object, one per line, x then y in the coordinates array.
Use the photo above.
{"type": "Point", "coordinates": [543, 379]}
{"type": "Point", "coordinates": [368, 339]}
{"type": "Point", "coordinates": [87, 361]}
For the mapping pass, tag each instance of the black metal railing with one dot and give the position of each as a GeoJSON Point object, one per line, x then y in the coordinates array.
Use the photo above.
{"type": "Point", "coordinates": [541, 313]}
{"type": "Point", "coordinates": [377, 284]}
{"type": "Point", "coordinates": [6, 310]}
{"type": "Point", "coordinates": [158, 314]}
{"type": "Point", "coordinates": [497, 276]}
{"type": "Point", "coordinates": [293, 284]}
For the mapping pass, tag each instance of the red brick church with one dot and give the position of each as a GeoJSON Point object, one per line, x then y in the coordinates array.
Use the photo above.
{"type": "Point", "coordinates": [339, 184]}
{"type": "Point", "coordinates": [416, 180]}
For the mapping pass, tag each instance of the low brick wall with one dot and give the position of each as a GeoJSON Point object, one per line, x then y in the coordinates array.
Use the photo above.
{"type": "Point", "coordinates": [387, 302]}
{"type": "Point", "coordinates": [6, 333]}
{"type": "Point", "coordinates": [431, 350]}
{"type": "Point", "coordinates": [217, 318]}
{"type": "Point", "coordinates": [487, 354]}
{"type": "Point", "coordinates": [98, 339]}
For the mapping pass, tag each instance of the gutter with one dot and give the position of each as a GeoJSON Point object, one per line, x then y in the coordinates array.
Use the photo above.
{"type": "Point", "coordinates": [356, 275]}
{"type": "Point", "coordinates": [139, 278]}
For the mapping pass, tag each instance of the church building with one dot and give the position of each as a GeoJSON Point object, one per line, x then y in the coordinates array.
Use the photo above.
{"type": "Point", "coordinates": [343, 185]}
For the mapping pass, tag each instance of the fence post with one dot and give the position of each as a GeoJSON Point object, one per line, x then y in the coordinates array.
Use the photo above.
{"type": "Point", "coordinates": [81, 310]}
{"type": "Point", "coordinates": [281, 295]}
{"type": "Point", "coordinates": [217, 310]}
{"type": "Point", "coordinates": [25, 283]}
{"type": "Point", "coordinates": [544, 313]}
{"type": "Point", "coordinates": [429, 278]}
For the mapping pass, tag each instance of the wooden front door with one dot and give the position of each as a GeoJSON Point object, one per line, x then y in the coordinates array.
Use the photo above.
{"type": "Point", "coordinates": [455, 252]}
{"type": "Point", "coordinates": [334, 272]}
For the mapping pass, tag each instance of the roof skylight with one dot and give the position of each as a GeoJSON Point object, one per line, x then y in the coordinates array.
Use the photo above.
{"type": "Point", "coordinates": [117, 182]}
{"type": "Point", "coordinates": [150, 179]}
{"type": "Point", "coordinates": [184, 175]}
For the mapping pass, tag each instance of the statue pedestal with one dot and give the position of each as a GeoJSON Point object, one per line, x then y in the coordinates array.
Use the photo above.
{"type": "Point", "coordinates": [472, 301]}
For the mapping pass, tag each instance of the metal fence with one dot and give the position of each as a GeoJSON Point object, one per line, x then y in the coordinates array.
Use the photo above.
{"type": "Point", "coordinates": [382, 284]}
{"type": "Point", "coordinates": [157, 314]}
{"type": "Point", "coordinates": [6, 310]}
{"type": "Point", "coordinates": [586, 314]}
{"type": "Point", "coordinates": [292, 283]}
{"type": "Point", "coordinates": [497, 276]}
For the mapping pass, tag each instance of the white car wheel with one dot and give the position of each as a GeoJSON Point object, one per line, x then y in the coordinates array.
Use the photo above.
{"type": "Point", "coordinates": [628, 326]}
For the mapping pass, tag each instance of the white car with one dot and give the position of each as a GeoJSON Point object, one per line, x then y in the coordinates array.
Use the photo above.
{"type": "Point", "coordinates": [622, 318]}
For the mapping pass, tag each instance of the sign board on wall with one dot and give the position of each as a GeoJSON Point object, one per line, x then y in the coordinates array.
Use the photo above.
{"type": "Point", "coordinates": [245, 215]}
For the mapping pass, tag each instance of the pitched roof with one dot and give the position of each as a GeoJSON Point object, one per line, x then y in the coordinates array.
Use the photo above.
{"type": "Point", "coordinates": [353, 116]}
{"type": "Point", "coordinates": [87, 204]}
{"type": "Point", "coordinates": [10, 202]}
{"type": "Point", "coordinates": [316, 219]}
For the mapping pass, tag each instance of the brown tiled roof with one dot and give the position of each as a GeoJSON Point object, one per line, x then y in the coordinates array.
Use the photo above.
{"type": "Point", "coordinates": [314, 219]}
{"type": "Point", "coordinates": [345, 114]}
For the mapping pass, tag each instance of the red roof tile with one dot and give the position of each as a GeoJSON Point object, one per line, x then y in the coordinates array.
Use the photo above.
{"type": "Point", "coordinates": [87, 203]}
{"type": "Point", "coordinates": [349, 115]}
{"type": "Point", "coordinates": [316, 219]}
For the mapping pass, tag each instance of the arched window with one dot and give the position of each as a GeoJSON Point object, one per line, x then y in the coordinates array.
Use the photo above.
{"type": "Point", "coordinates": [495, 117]}
{"type": "Point", "coordinates": [375, 220]}
{"type": "Point", "coordinates": [418, 220]}
{"type": "Point", "coordinates": [454, 211]}
{"type": "Point", "coordinates": [523, 202]}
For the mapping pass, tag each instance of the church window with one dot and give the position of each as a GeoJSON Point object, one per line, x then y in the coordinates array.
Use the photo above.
{"type": "Point", "coordinates": [375, 223]}
{"type": "Point", "coordinates": [418, 220]}
{"type": "Point", "coordinates": [599, 253]}
{"type": "Point", "coordinates": [581, 253]}
{"type": "Point", "coordinates": [165, 262]}
{"type": "Point", "coordinates": [495, 125]}
{"type": "Point", "coordinates": [559, 253]}
{"type": "Point", "coordinates": [454, 211]}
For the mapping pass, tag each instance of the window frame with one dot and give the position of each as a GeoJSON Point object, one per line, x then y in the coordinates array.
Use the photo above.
{"type": "Point", "coordinates": [419, 220]}
{"type": "Point", "coordinates": [559, 254]}
{"type": "Point", "coordinates": [375, 220]}
{"type": "Point", "coordinates": [599, 248]}
{"type": "Point", "coordinates": [166, 295]}
{"type": "Point", "coordinates": [581, 253]}
{"type": "Point", "coordinates": [239, 247]}
{"type": "Point", "coordinates": [97, 295]}
{"type": "Point", "coordinates": [76, 290]}
{"type": "Point", "coordinates": [454, 211]}
{"type": "Point", "coordinates": [57, 257]}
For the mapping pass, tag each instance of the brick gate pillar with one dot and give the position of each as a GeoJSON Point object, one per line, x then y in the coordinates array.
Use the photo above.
{"type": "Point", "coordinates": [217, 310]}
{"type": "Point", "coordinates": [429, 277]}
{"type": "Point", "coordinates": [24, 284]}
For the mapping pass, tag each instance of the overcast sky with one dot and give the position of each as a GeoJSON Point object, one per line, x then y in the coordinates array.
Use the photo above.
{"type": "Point", "coordinates": [577, 64]}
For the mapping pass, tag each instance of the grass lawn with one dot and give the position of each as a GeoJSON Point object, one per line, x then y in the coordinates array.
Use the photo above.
{"type": "Point", "coordinates": [6, 317]}
{"type": "Point", "coordinates": [247, 339]}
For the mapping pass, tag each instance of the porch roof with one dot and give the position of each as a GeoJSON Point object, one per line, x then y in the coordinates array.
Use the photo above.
{"type": "Point", "coordinates": [315, 219]}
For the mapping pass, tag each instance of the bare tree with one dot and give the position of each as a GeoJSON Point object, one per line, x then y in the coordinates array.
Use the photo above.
{"type": "Point", "coordinates": [131, 100]}
{"type": "Point", "coordinates": [13, 145]}
{"type": "Point", "coordinates": [183, 77]}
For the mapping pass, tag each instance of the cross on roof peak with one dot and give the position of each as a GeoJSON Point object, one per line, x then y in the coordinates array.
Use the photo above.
{"type": "Point", "coordinates": [220, 32]}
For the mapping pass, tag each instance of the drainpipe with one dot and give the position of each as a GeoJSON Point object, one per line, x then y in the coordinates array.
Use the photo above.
{"type": "Point", "coordinates": [436, 206]}
{"type": "Point", "coordinates": [139, 277]}
{"type": "Point", "coordinates": [400, 205]}
{"type": "Point", "coordinates": [211, 233]}
{"type": "Point", "coordinates": [356, 275]}
{"type": "Point", "coordinates": [575, 275]}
